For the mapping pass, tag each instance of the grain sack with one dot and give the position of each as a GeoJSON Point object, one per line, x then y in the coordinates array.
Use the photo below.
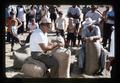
{"type": "Point", "coordinates": [33, 68]}
{"type": "Point", "coordinates": [63, 56]}
{"type": "Point", "coordinates": [92, 51]}
{"type": "Point", "coordinates": [20, 55]}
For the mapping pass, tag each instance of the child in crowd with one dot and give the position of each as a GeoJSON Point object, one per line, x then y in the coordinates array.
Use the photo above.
{"type": "Point", "coordinates": [31, 26]}
{"type": "Point", "coordinates": [70, 32]}
{"type": "Point", "coordinates": [60, 24]}
{"type": "Point", "coordinates": [14, 29]}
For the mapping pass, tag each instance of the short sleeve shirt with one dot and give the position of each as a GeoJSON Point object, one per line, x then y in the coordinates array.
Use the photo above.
{"type": "Point", "coordinates": [38, 37]}
{"type": "Point", "coordinates": [94, 32]}
{"type": "Point", "coordinates": [94, 15]}
{"type": "Point", "coordinates": [60, 23]}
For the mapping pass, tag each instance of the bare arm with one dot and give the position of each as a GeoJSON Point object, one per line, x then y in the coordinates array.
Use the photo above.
{"type": "Point", "coordinates": [19, 22]}
{"type": "Point", "coordinates": [47, 48]}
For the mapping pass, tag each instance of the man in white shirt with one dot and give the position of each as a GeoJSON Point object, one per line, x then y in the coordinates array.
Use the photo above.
{"type": "Point", "coordinates": [39, 46]}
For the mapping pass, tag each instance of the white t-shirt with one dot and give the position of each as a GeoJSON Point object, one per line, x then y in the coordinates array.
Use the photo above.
{"type": "Point", "coordinates": [60, 23]}
{"type": "Point", "coordinates": [94, 15]}
{"type": "Point", "coordinates": [14, 30]}
{"type": "Point", "coordinates": [36, 38]}
{"type": "Point", "coordinates": [21, 14]}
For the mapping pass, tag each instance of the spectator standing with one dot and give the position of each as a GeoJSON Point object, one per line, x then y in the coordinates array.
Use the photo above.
{"type": "Point", "coordinates": [21, 15]}
{"type": "Point", "coordinates": [60, 24]}
{"type": "Point", "coordinates": [8, 24]}
{"type": "Point", "coordinates": [70, 32]}
{"type": "Point", "coordinates": [108, 28]}
{"type": "Point", "coordinates": [15, 24]}
{"type": "Point", "coordinates": [53, 12]}
{"type": "Point", "coordinates": [94, 14]}
{"type": "Point", "coordinates": [38, 13]}
{"type": "Point", "coordinates": [75, 12]}
{"type": "Point", "coordinates": [32, 13]}
{"type": "Point", "coordinates": [85, 9]}
{"type": "Point", "coordinates": [31, 26]}
{"type": "Point", "coordinates": [44, 12]}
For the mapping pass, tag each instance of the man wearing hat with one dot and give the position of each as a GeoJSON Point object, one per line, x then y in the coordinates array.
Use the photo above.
{"type": "Point", "coordinates": [39, 46]}
{"type": "Point", "coordinates": [91, 37]}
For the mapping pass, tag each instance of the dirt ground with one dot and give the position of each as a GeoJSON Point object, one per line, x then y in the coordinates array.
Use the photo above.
{"type": "Point", "coordinates": [9, 59]}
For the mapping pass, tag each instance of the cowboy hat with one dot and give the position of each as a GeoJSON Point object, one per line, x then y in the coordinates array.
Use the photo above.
{"type": "Point", "coordinates": [88, 22]}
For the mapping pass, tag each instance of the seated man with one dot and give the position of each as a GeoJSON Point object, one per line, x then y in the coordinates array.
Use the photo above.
{"type": "Point", "coordinates": [91, 40]}
{"type": "Point", "coordinates": [39, 46]}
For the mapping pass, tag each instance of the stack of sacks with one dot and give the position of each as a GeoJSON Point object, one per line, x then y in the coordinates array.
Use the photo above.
{"type": "Point", "coordinates": [33, 68]}
{"type": "Point", "coordinates": [20, 55]}
{"type": "Point", "coordinates": [63, 56]}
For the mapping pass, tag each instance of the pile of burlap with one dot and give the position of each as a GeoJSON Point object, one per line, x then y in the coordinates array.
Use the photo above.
{"type": "Point", "coordinates": [63, 56]}
{"type": "Point", "coordinates": [33, 68]}
{"type": "Point", "coordinates": [20, 55]}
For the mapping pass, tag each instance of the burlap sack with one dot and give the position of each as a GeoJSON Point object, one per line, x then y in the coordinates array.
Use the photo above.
{"type": "Point", "coordinates": [93, 51]}
{"type": "Point", "coordinates": [20, 55]}
{"type": "Point", "coordinates": [33, 68]}
{"type": "Point", "coordinates": [63, 57]}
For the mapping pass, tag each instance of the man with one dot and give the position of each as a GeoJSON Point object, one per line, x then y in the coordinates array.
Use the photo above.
{"type": "Point", "coordinates": [39, 46]}
{"type": "Point", "coordinates": [94, 14]}
{"type": "Point", "coordinates": [21, 12]}
{"type": "Point", "coordinates": [110, 21]}
{"type": "Point", "coordinates": [91, 37]}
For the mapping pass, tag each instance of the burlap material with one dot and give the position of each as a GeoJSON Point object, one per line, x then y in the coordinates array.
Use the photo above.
{"type": "Point", "coordinates": [20, 55]}
{"type": "Point", "coordinates": [63, 57]}
{"type": "Point", "coordinates": [33, 68]}
{"type": "Point", "coordinates": [93, 51]}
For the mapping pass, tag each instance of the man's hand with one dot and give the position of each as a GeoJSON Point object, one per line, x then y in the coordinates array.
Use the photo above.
{"type": "Point", "coordinates": [88, 39]}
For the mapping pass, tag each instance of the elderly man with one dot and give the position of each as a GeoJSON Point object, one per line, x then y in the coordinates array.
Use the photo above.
{"type": "Point", "coordinates": [39, 46]}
